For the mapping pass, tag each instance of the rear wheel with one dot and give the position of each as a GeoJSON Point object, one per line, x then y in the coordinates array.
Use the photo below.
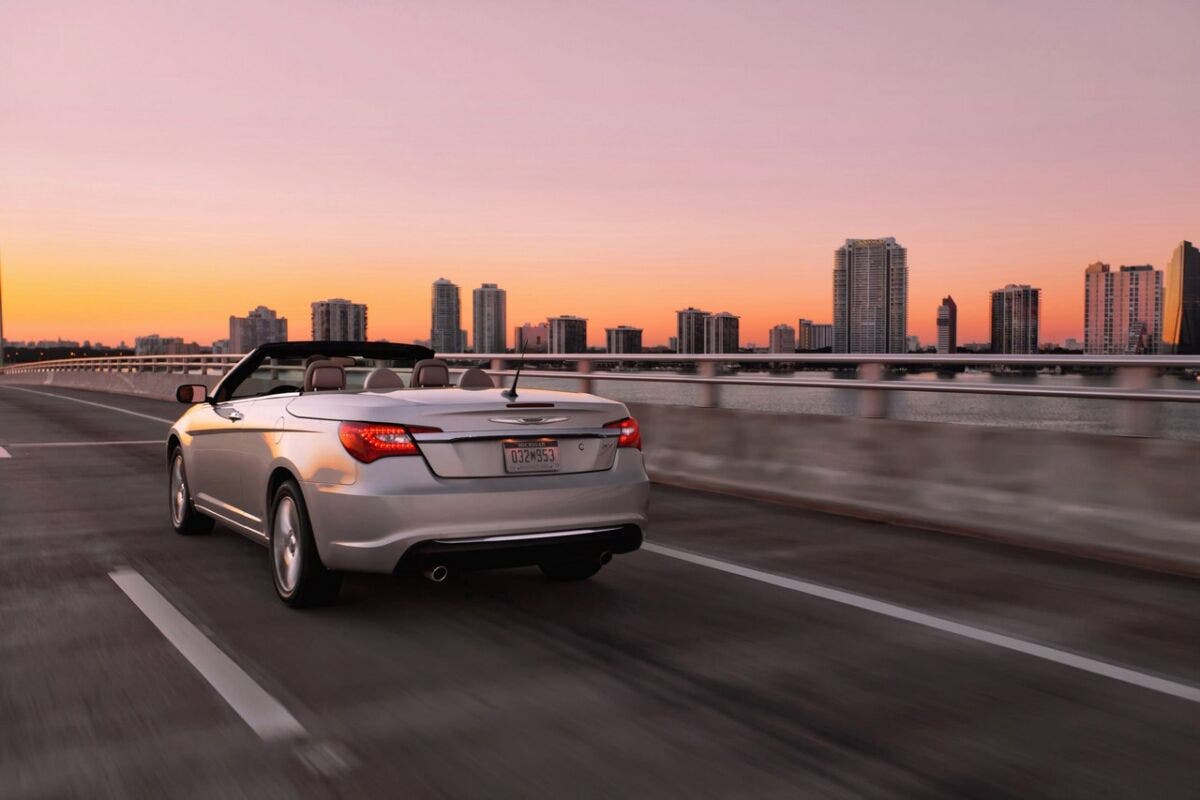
{"type": "Point", "coordinates": [571, 570]}
{"type": "Point", "coordinates": [184, 517]}
{"type": "Point", "coordinates": [301, 580]}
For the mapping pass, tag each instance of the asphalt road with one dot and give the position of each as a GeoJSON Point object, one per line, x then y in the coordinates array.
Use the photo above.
{"type": "Point", "coordinates": [1034, 675]}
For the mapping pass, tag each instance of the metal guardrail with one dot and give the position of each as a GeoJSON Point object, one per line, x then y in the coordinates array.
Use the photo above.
{"type": "Point", "coordinates": [1133, 375]}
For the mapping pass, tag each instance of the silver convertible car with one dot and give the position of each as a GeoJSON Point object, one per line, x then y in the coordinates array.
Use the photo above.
{"type": "Point", "coordinates": [355, 456]}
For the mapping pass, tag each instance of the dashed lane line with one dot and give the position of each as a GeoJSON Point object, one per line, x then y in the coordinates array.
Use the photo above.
{"type": "Point", "coordinates": [262, 712]}
{"type": "Point", "coordinates": [864, 603]}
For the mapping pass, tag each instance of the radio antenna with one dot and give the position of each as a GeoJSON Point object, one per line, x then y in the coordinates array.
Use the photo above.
{"type": "Point", "coordinates": [511, 392]}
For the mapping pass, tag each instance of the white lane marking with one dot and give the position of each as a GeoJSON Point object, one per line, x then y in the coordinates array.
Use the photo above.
{"type": "Point", "coordinates": [262, 712]}
{"type": "Point", "coordinates": [1141, 679]}
{"type": "Point", "coordinates": [83, 444]}
{"type": "Point", "coordinates": [91, 403]}
{"type": "Point", "coordinates": [4, 453]}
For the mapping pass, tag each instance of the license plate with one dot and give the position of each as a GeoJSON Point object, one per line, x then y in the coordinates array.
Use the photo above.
{"type": "Point", "coordinates": [538, 456]}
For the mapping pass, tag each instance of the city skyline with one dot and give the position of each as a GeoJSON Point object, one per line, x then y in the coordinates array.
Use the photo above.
{"type": "Point", "coordinates": [154, 189]}
{"type": "Point", "coordinates": [446, 303]}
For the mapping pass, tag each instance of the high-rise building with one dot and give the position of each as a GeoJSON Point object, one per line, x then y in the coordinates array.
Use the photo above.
{"type": "Point", "coordinates": [491, 328]}
{"type": "Point", "coordinates": [258, 327]}
{"type": "Point", "coordinates": [1122, 311]}
{"type": "Point", "coordinates": [623, 339]}
{"type": "Point", "coordinates": [339, 320]}
{"type": "Point", "coordinates": [445, 332]}
{"type": "Point", "coordinates": [673, 344]}
{"type": "Point", "coordinates": [782, 339]}
{"type": "Point", "coordinates": [1181, 301]}
{"type": "Point", "coordinates": [532, 338]}
{"type": "Point", "coordinates": [870, 296]}
{"type": "Point", "coordinates": [812, 336]}
{"type": "Point", "coordinates": [568, 334]}
{"type": "Point", "coordinates": [152, 345]}
{"type": "Point", "coordinates": [1015, 315]}
{"type": "Point", "coordinates": [912, 344]}
{"type": "Point", "coordinates": [721, 333]}
{"type": "Point", "coordinates": [689, 330]}
{"type": "Point", "coordinates": [947, 326]}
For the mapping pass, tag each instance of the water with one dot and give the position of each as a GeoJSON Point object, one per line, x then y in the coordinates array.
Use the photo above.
{"type": "Point", "coordinates": [1173, 420]}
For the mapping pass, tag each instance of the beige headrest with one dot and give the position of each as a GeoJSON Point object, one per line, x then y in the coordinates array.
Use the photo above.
{"type": "Point", "coordinates": [475, 378]}
{"type": "Point", "coordinates": [383, 379]}
{"type": "Point", "coordinates": [324, 376]}
{"type": "Point", "coordinates": [431, 372]}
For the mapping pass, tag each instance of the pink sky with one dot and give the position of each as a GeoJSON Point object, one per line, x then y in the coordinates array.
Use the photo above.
{"type": "Point", "coordinates": [164, 165]}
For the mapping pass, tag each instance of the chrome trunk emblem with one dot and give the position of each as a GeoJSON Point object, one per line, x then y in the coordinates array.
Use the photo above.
{"type": "Point", "coordinates": [527, 420]}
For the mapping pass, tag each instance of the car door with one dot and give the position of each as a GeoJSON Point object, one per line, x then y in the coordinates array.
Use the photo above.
{"type": "Point", "coordinates": [220, 464]}
{"type": "Point", "coordinates": [255, 446]}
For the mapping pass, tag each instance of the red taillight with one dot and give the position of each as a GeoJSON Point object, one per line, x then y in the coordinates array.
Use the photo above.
{"type": "Point", "coordinates": [370, 441]}
{"type": "Point", "coordinates": [631, 433]}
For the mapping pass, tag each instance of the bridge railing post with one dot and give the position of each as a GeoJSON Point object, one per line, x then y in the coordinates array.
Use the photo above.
{"type": "Point", "coordinates": [710, 393]}
{"type": "Point", "coordinates": [1137, 417]}
{"type": "Point", "coordinates": [872, 403]}
{"type": "Point", "coordinates": [584, 368]}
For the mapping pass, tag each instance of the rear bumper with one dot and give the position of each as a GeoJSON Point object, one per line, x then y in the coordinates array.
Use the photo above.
{"type": "Point", "coordinates": [521, 550]}
{"type": "Point", "coordinates": [370, 525]}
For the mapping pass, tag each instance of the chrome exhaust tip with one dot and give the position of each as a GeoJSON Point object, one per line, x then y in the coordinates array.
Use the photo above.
{"type": "Point", "coordinates": [437, 573]}
{"type": "Point", "coordinates": [605, 557]}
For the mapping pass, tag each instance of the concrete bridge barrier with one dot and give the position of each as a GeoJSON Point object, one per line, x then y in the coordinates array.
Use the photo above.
{"type": "Point", "coordinates": [155, 385]}
{"type": "Point", "coordinates": [1120, 498]}
{"type": "Point", "coordinates": [1126, 499]}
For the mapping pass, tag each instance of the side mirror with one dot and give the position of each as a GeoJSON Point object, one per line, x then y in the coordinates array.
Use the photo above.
{"type": "Point", "coordinates": [192, 393]}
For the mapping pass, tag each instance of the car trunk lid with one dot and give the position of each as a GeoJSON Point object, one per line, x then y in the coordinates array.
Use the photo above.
{"type": "Point", "coordinates": [484, 434]}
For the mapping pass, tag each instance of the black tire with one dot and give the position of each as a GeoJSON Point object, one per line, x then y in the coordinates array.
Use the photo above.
{"type": "Point", "coordinates": [301, 579]}
{"type": "Point", "coordinates": [571, 570]}
{"type": "Point", "coordinates": [185, 519]}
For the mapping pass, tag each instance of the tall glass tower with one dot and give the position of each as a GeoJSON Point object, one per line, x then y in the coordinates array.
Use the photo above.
{"type": "Point", "coordinates": [1015, 316]}
{"type": "Point", "coordinates": [491, 327]}
{"type": "Point", "coordinates": [870, 297]}
{"type": "Point", "coordinates": [1181, 302]}
{"type": "Point", "coordinates": [445, 330]}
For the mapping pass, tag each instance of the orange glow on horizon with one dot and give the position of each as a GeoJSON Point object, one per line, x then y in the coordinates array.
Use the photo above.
{"type": "Point", "coordinates": [112, 299]}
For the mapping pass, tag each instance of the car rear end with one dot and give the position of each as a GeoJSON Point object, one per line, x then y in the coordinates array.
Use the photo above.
{"type": "Point", "coordinates": [471, 480]}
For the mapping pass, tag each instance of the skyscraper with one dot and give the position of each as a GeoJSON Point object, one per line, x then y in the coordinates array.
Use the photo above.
{"type": "Point", "coordinates": [488, 306]}
{"type": "Point", "coordinates": [689, 330]}
{"type": "Point", "coordinates": [1015, 317]}
{"type": "Point", "coordinates": [870, 296]}
{"type": "Point", "coordinates": [623, 339]}
{"type": "Point", "coordinates": [258, 327]}
{"type": "Point", "coordinates": [721, 333]}
{"type": "Point", "coordinates": [782, 339]}
{"type": "Point", "coordinates": [813, 335]}
{"type": "Point", "coordinates": [339, 320]}
{"type": "Point", "coordinates": [445, 329]}
{"type": "Point", "coordinates": [531, 338]}
{"type": "Point", "coordinates": [568, 334]}
{"type": "Point", "coordinates": [1181, 301]}
{"type": "Point", "coordinates": [947, 326]}
{"type": "Point", "coordinates": [1122, 311]}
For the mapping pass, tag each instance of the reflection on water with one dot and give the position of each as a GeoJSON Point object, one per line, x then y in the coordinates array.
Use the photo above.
{"type": "Point", "coordinates": [1174, 420]}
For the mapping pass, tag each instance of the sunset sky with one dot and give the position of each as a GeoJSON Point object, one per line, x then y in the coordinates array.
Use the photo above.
{"type": "Point", "coordinates": [165, 165]}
